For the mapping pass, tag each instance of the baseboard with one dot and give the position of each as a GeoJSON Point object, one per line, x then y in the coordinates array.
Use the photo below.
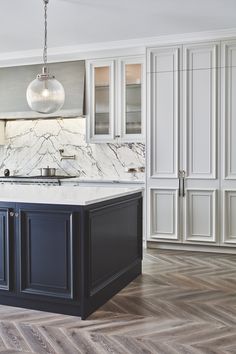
{"type": "Point", "coordinates": [192, 248]}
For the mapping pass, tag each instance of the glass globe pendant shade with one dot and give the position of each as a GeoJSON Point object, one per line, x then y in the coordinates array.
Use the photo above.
{"type": "Point", "coordinates": [45, 94]}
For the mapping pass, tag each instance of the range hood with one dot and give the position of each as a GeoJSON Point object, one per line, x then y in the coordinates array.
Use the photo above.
{"type": "Point", "coordinates": [15, 80]}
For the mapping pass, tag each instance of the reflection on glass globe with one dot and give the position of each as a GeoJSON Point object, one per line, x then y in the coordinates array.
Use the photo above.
{"type": "Point", "coordinates": [45, 95]}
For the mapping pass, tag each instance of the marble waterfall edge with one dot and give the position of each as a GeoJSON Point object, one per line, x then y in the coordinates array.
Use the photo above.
{"type": "Point", "coordinates": [31, 145]}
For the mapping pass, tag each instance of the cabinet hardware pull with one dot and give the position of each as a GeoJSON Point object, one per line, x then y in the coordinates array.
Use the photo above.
{"type": "Point", "coordinates": [183, 175]}
{"type": "Point", "coordinates": [180, 174]}
{"type": "Point", "coordinates": [16, 215]}
{"type": "Point", "coordinates": [12, 213]}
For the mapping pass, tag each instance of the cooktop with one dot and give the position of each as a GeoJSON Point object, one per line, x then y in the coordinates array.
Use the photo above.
{"type": "Point", "coordinates": [36, 177]}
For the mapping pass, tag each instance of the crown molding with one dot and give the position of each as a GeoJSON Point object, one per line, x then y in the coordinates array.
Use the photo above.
{"type": "Point", "coordinates": [114, 48]}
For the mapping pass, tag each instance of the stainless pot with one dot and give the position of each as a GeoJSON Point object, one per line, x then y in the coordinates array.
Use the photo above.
{"type": "Point", "coordinates": [47, 171]}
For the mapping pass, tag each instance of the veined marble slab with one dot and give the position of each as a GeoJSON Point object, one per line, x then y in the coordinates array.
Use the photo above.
{"type": "Point", "coordinates": [31, 145]}
{"type": "Point", "coordinates": [64, 195]}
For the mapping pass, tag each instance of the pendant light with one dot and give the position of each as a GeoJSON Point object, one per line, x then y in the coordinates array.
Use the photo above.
{"type": "Point", "coordinates": [45, 94]}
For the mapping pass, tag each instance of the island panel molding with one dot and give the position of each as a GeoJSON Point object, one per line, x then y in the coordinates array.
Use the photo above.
{"type": "Point", "coordinates": [42, 231]}
{"type": "Point", "coordinates": [5, 246]}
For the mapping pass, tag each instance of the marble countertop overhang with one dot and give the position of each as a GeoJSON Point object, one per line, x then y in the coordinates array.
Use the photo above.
{"type": "Point", "coordinates": [64, 195]}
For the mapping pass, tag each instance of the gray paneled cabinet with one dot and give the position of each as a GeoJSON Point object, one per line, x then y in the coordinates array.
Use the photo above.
{"type": "Point", "coordinates": [191, 164]}
{"type": "Point", "coordinates": [115, 99]}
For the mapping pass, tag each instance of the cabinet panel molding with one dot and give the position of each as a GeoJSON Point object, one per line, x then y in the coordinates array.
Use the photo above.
{"type": "Point", "coordinates": [4, 250]}
{"type": "Point", "coordinates": [200, 110]}
{"type": "Point", "coordinates": [229, 109]}
{"type": "Point", "coordinates": [164, 116]}
{"type": "Point", "coordinates": [198, 56]}
{"type": "Point", "coordinates": [46, 234]}
{"type": "Point", "coordinates": [164, 214]}
{"type": "Point", "coordinates": [200, 222]}
{"type": "Point", "coordinates": [163, 59]}
{"type": "Point", "coordinates": [229, 216]}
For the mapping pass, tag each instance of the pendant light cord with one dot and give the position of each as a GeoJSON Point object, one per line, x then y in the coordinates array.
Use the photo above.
{"type": "Point", "coordinates": [45, 49]}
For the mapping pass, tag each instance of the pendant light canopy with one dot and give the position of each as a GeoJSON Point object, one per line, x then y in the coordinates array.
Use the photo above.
{"type": "Point", "coordinates": [45, 94]}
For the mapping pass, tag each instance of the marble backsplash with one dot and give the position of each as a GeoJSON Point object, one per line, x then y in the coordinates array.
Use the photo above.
{"type": "Point", "coordinates": [31, 145]}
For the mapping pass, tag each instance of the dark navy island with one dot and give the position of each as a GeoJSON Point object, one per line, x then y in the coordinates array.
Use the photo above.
{"type": "Point", "coordinates": [68, 249]}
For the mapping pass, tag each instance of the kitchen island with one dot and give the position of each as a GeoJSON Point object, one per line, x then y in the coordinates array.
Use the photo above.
{"type": "Point", "coordinates": [68, 249]}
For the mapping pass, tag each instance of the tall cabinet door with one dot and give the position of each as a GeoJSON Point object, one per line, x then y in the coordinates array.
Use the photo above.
{"type": "Point", "coordinates": [228, 115]}
{"type": "Point", "coordinates": [200, 122]}
{"type": "Point", "coordinates": [163, 143]}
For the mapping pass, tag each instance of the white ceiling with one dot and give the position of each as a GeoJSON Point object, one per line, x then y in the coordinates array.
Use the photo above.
{"type": "Point", "coordinates": [74, 22]}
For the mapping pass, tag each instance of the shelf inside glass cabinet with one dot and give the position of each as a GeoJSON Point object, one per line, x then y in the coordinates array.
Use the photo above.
{"type": "Point", "coordinates": [133, 122]}
{"type": "Point", "coordinates": [101, 123]}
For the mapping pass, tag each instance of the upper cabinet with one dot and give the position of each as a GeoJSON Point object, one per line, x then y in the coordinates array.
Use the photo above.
{"type": "Point", "coordinates": [115, 100]}
{"type": "Point", "coordinates": [101, 97]}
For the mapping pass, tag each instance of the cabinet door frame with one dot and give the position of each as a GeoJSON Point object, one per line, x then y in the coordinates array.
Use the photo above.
{"type": "Point", "coordinates": [200, 183]}
{"type": "Point", "coordinates": [173, 236]}
{"type": "Point", "coordinates": [227, 239]}
{"type": "Point", "coordinates": [90, 100]}
{"type": "Point", "coordinates": [23, 257]}
{"type": "Point", "coordinates": [121, 105]}
{"type": "Point", "coordinates": [228, 175]}
{"type": "Point", "coordinates": [188, 70]}
{"type": "Point", "coordinates": [152, 170]}
{"type": "Point", "coordinates": [227, 47]}
{"type": "Point", "coordinates": [188, 236]}
{"type": "Point", "coordinates": [166, 62]}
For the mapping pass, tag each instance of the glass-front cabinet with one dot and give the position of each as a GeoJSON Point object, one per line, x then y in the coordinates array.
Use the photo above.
{"type": "Point", "coordinates": [101, 100]}
{"type": "Point", "coordinates": [115, 100]}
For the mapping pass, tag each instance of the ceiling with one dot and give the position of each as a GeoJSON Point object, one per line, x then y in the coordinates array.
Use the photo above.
{"type": "Point", "coordinates": [75, 22]}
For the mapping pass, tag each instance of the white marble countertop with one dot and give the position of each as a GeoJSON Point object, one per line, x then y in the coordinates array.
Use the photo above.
{"type": "Point", "coordinates": [12, 179]}
{"type": "Point", "coordinates": [66, 195]}
{"type": "Point", "coordinates": [103, 180]}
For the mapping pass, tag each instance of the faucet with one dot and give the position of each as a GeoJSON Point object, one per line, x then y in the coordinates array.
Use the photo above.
{"type": "Point", "coordinates": [66, 157]}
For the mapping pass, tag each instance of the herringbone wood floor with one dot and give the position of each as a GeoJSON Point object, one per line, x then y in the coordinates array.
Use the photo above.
{"type": "Point", "coordinates": [183, 303]}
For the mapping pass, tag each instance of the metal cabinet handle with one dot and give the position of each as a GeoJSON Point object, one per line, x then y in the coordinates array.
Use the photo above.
{"type": "Point", "coordinates": [180, 176]}
{"type": "Point", "coordinates": [183, 175]}
{"type": "Point", "coordinates": [14, 214]}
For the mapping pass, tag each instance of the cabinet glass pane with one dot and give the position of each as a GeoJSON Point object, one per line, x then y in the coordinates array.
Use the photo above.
{"type": "Point", "coordinates": [133, 96]}
{"type": "Point", "coordinates": [102, 93]}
